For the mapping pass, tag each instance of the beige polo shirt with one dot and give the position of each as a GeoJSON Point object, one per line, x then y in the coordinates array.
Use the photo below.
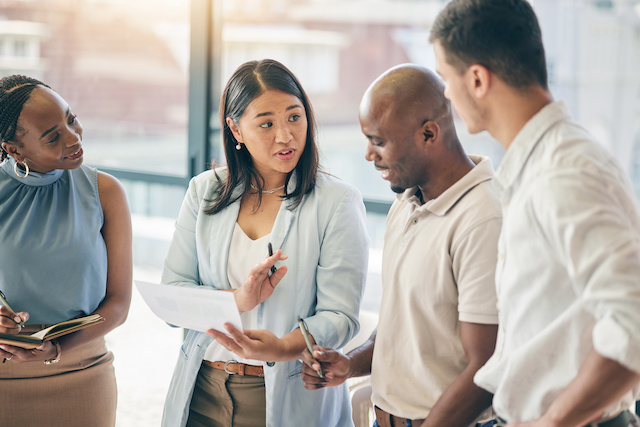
{"type": "Point", "coordinates": [438, 270]}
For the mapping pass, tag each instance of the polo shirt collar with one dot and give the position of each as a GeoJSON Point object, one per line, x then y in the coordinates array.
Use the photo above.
{"type": "Point", "coordinates": [483, 171]}
{"type": "Point", "coordinates": [527, 139]}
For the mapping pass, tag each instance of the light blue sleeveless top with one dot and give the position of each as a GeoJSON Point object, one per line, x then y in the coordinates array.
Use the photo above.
{"type": "Point", "coordinates": [53, 259]}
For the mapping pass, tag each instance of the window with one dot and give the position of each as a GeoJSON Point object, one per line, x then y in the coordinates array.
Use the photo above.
{"type": "Point", "coordinates": [20, 48]}
{"type": "Point", "coordinates": [123, 66]}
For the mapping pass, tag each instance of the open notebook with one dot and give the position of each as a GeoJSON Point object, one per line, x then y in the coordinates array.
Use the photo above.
{"type": "Point", "coordinates": [53, 331]}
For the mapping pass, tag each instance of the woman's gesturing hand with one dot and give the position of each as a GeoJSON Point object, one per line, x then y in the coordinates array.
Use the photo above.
{"type": "Point", "coordinates": [259, 285]}
{"type": "Point", "coordinates": [257, 344]}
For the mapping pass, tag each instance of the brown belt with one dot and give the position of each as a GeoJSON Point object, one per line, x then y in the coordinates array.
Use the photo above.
{"type": "Point", "coordinates": [621, 420]}
{"type": "Point", "coordinates": [385, 419]}
{"type": "Point", "coordinates": [241, 369]}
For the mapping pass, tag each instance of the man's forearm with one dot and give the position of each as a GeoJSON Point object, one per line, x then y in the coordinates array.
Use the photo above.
{"type": "Point", "coordinates": [600, 382]}
{"type": "Point", "coordinates": [360, 358]}
{"type": "Point", "coordinates": [461, 403]}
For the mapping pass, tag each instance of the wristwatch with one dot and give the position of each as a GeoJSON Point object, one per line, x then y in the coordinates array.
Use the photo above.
{"type": "Point", "coordinates": [58, 354]}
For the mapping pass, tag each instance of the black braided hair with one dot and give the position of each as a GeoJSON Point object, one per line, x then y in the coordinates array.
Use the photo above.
{"type": "Point", "coordinates": [15, 90]}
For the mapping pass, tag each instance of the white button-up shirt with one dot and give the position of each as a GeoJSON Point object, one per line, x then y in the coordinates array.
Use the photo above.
{"type": "Point", "coordinates": [568, 273]}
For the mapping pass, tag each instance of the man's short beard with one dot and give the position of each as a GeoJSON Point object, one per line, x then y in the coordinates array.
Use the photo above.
{"type": "Point", "coordinates": [396, 189]}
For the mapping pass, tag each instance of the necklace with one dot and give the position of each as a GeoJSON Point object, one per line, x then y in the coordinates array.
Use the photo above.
{"type": "Point", "coordinates": [273, 190]}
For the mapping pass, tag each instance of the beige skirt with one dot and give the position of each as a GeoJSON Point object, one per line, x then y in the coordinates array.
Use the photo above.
{"type": "Point", "coordinates": [79, 391]}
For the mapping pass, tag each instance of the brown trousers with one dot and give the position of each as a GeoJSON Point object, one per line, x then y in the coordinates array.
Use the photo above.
{"type": "Point", "coordinates": [227, 400]}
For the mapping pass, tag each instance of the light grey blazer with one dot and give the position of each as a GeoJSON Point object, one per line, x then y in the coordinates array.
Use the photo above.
{"type": "Point", "coordinates": [327, 244]}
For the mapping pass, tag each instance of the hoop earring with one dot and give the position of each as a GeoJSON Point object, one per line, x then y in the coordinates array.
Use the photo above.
{"type": "Point", "coordinates": [26, 168]}
{"type": "Point", "coordinates": [238, 146]}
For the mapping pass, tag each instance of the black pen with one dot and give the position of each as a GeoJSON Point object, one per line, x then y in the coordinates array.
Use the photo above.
{"type": "Point", "coordinates": [273, 267]}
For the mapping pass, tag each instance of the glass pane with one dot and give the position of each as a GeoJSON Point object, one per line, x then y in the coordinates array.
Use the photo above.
{"type": "Point", "coordinates": [121, 65]}
{"type": "Point", "coordinates": [592, 51]}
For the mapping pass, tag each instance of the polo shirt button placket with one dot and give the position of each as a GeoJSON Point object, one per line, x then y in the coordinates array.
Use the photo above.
{"type": "Point", "coordinates": [412, 221]}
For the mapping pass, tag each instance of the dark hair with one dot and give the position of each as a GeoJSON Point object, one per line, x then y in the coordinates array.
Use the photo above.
{"type": "Point", "coordinates": [249, 81]}
{"type": "Point", "coordinates": [502, 35]}
{"type": "Point", "coordinates": [15, 90]}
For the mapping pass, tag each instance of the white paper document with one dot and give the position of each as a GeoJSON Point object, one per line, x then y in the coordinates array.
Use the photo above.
{"type": "Point", "coordinates": [192, 308]}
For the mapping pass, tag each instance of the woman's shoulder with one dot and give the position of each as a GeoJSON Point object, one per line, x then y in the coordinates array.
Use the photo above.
{"type": "Point", "coordinates": [85, 170]}
{"type": "Point", "coordinates": [208, 180]}
{"type": "Point", "coordinates": [84, 177]}
{"type": "Point", "coordinates": [108, 185]}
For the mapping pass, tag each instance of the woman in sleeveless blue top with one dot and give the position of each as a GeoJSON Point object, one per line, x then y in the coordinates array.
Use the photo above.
{"type": "Point", "coordinates": [65, 230]}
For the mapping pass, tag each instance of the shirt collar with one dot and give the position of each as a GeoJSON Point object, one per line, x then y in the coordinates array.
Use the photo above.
{"type": "Point", "coordinates": [483, 171]}
{"type": "Point", "coordinates": [527, 139]}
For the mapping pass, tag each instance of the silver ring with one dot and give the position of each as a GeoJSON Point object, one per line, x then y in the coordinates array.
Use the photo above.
{"type": "Point", "coordinates": [227, 364]}
{"type": "Point", "coordinates": [10, 357]}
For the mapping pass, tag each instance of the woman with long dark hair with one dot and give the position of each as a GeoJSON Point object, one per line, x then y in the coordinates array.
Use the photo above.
{"type": "Point", "coordinates": [270, 192]}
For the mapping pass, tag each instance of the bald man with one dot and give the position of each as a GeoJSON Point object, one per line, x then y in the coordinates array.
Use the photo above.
{"type": "Point", "coordinates": [438, 315]}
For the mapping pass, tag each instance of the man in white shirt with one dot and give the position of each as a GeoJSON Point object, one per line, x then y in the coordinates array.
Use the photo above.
{"type": "Point", "coordinates": [437, 322]}
{"type": "Point", "coordinates": [568, 273]}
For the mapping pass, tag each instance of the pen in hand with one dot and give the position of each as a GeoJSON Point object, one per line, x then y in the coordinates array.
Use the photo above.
{"type": "Point", "coordinates": [273, 267]}
{"type": "Point", "coordinates": [3, 299]}
{"type": "Point", "coordinates": [307, 340]}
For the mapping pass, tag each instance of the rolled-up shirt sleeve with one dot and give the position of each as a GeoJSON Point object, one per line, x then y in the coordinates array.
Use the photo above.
{"type": "Point", "coordinates": [596, 231]}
